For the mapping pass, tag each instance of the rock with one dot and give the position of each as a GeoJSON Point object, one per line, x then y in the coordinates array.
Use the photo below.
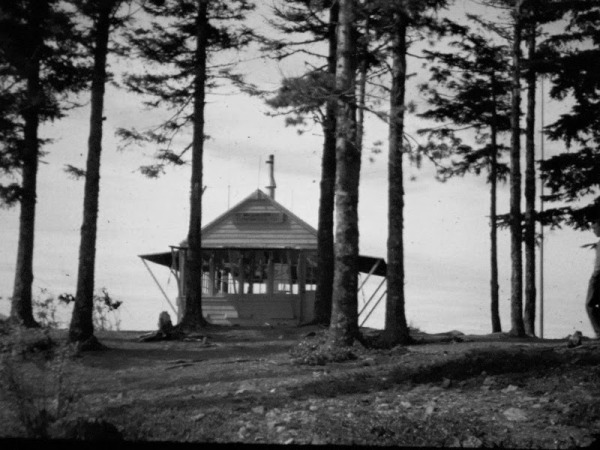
{"type": "Point", "coordinates": [472, 442]}
{"type": "Point", "coordinates": [246, 387]}
{"type": "Point", "coordinates": [92, 430]}
{"type": "Point", "coordinates": [316, 440]}
{"type": "Point", "coordinates": [510, 388]}
{"type": "Point", "coordinates": [289, 441]}
{"type": "Point", "coordinates": [258, 410]}
{"type": "Point", "coordinates": [164, 322]}
{"type": "Point", "coordinates": [488, 381]}
{"type": "Point", "coordinates": [405, 404]}
{"type": "Point", "coordinates": [313, 408]}
{"type": "Point", "coordinates": [198, 416]}
{"type": "Point", "coordinates": [280, 429]}
{"type": "Point", "coordinates": [446, 383]}
{"type": "Point", "coordinates": [574, 340]}
{"type": "Point", "coordinates": [310, 334]}
{"type": "Point", "coordinates": [515, 415]}
{"type": "Point", "coordinates": [455, 442]}
{"type": "Point", "coordinates": [429, 410]}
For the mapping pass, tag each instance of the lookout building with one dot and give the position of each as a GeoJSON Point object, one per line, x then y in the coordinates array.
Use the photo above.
{"type": "Point", "coordinates": [259, 263]}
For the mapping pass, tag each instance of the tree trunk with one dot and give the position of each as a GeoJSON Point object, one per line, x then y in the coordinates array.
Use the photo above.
{"type": "Point", "coordinates": [344, 316]}
{"type": "Point", "coordinates": [396, 329]}
{"type": "Point", "coordinates": [494, 286]}
{"type": "Point", "coordinates": [516, 301]}
{"type": "Point", "coordinates": [21, 303]}
{"type": "Point", "coordinates": [530, 292]}
{"type": "Point", "coordinates": [192, 317]}
{"type": "Point", "coordinates": [82, 325]}
{"type": "Point", "coordinates": [362, 89]}
{"type": "Point", "coordinates": [326, 205]}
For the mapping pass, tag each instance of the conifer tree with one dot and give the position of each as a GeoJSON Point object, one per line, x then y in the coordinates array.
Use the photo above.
{"type": "Point", "coordinates": [39, 65]}
{"type": "Point", "coordinates": [397, 19]}
{"type": "Point", "coordinates": [312, 95]}
{"type": "Point", "coordinates": [179, 44]}
{"type": "Point", "coordinates": [102, 15]}
{"type": "Point", "coordinates": [571, 61]}
{"type": "Point", "coordinates": [344, 316]}
{"type": "Point", "coordinates": [468, 93]}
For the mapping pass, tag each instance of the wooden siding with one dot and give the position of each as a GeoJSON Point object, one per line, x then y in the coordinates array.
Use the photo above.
{"type": "Point", "coordinates": [257, 309]}
{"type": "Point", "coordinates": [230, 233]}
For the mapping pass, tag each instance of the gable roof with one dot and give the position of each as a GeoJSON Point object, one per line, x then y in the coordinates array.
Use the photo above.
{"type": "Point", "coordinates": [258, 221]}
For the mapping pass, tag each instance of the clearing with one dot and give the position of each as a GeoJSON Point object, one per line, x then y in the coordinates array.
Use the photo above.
{"type": "Point", "coordinates": [241, 385]}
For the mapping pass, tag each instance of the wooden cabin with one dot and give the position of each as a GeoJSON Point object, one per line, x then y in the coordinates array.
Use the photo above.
{"type": "Point", "coordinates": [259, 264]}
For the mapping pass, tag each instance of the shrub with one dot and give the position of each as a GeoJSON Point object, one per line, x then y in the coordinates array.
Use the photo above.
{"type": "Point", "coordinates": [105, 312]}
{"type": "Point", "coordinates": [20, 341]}
{"type": "Point", "coordinates": [38, 390]}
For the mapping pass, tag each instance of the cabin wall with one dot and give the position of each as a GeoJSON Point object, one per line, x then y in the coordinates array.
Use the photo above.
{"type": "Point", "coordinates": [256, 309]}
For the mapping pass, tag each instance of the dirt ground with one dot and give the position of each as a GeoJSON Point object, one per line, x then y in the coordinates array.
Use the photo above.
{"type": "Point", "coordinates": [241, 385]}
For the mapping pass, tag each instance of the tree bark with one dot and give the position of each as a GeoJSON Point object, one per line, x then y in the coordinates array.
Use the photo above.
{"type": "Point", "coordinates": [516, 301]}
{"type": "Point", "coordinates": [81, 328]}
{"type": "Point", "coordinates": [344, 316]}
{"type": "Point", "coordinates": [325, 252]}
{"type": "Point", "coordinates": [192, 316]}
{"type": "Point", "coordinates": [530, 291]}
{"type": "Point", "coordinates": [21, 303]}
{"type": "Point", "coordinates": [396, 329]}
{"type": "Point", "coordinates": [494, 286]}
{"type": "Point", "coordinates": [362, 88]}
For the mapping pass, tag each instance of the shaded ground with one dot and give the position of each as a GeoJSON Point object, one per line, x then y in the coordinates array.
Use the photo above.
{"type": "Point", "coordinates": [241, 386]}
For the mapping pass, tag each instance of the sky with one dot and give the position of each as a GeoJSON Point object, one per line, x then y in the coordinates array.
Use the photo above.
{"type": "Point", "coordinates": [446, 224]}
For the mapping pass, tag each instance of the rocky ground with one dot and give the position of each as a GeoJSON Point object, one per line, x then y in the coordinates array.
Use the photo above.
{"type": "Point", "coordinates": [241, 385]}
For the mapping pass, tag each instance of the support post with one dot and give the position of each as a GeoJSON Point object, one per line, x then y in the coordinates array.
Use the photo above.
{"type": "Point", "coordinates": [371, 297]}
{"type": "Point", "coordinates": [241, 274]}
{"type": "Point", "coordinates": [373, 309]}
{"type": "Point", "coordinates": [211, 275]}
{"type": "Point", "coordinates": [270, 274]}
{"type": "Point", "coordinates": [289, 264]}
{"type": "Point", "coordinates": [301, 282]}
{"type": "Point", "coordinates": [160, 287]}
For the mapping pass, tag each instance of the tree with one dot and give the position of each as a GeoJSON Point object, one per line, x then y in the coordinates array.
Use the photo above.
{"type": "Point", "coordinates": [396, 20]}
{"type": "Point", "coordinates": [516, 232]}
{"type": "Point", "coordinates": [530, 178]}
{"type": "Point", "coordinates": [572, 61]}
{"type": "Point", "coordinates": [39, 61]}
{"type": "Point", "coordinates": [81, 329]}
{"type": "Point", "coordinates": [469, 93]}
{"type": "Point", "coordinates": [312, 94]}
{"type": "Point", "coordinates": [344, 316]}
{"type": "Point", "coordinates": [179, 42]}
{"type": "Point", "coordinates": [395, 317]}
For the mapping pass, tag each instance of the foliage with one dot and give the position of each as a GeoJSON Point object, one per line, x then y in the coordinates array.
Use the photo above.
{"type": "Point", "coordinates": [38, 388]}
{"type": "Point", "coordinates": [48, 310]}
{"type": "Point", "coordinates": [105, 313]}
{"type": "Point", "coordinates": [467, 93]}
{"type": "Point", "coordinates": [571, 60]}
{"type": "Point", "coordinates": [20, 341]}
{"type": "Point", "coordinates": [166, 42]}
{"type": "Point", "coordinates": [59, 49]}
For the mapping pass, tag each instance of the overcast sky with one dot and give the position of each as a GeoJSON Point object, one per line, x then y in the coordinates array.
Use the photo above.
{"type": "Point", "coordinates": [446, 228]}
